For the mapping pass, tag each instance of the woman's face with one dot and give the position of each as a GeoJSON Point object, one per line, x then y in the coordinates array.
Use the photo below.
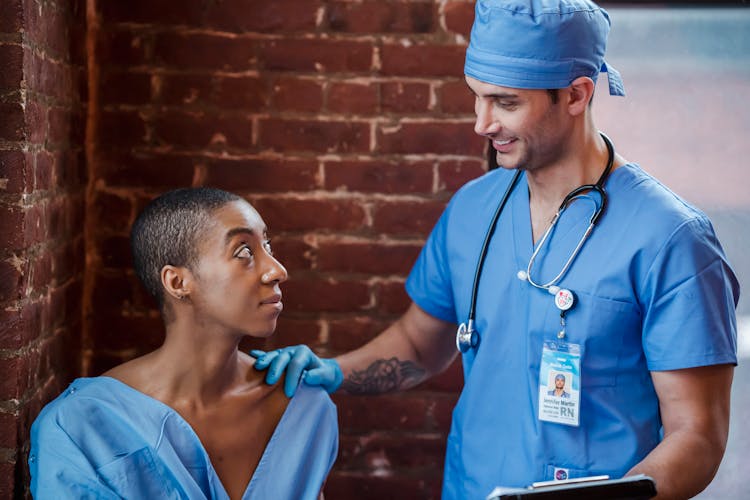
{"type": "Point", "coordinates": [236, 278]}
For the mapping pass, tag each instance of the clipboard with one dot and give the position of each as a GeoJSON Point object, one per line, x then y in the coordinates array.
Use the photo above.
{"type": "Point", "coordinates": [638, 487]}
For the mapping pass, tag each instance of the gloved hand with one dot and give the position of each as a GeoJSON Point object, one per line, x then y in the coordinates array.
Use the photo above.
{"type": "Point", "coordinates": [299, 361]}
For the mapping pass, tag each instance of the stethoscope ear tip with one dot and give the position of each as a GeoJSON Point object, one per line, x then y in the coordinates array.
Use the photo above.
{"type": "Point", "coordinates": [522, 275]}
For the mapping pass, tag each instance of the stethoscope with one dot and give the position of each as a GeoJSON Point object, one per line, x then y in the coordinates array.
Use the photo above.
{"type": "Point", "coordinates": [466, 336]}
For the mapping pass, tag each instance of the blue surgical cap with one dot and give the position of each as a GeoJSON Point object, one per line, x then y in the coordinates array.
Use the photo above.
{"type": "Point", "coordinates": [539, 44]}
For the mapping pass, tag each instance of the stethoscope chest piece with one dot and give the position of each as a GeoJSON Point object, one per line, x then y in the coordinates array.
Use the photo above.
{"type": "Point", "coordinates": [466, 337]}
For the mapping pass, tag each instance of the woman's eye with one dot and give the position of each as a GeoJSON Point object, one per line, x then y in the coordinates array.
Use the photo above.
{"type": "Point", "coordinates": [267, 247]}
{"type": "Point", "coordinates": [244, 253]}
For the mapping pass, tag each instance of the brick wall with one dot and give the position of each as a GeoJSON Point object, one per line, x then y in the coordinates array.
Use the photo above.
{"type": "Point", "coordinates": [347, 124]}
{"type": "Point", "coordinates": [42, 188]}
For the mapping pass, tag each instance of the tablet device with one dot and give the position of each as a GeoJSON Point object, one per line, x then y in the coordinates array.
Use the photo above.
{"type": "Point", "coordinates": [638, 487]}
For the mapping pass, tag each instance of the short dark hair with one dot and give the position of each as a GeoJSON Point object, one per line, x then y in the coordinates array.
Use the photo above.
{"type": "Point", "coordinates": [167, 231]}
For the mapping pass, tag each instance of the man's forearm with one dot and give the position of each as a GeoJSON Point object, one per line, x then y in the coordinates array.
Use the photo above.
{"type": "Point", "coordinates": [682, 465]}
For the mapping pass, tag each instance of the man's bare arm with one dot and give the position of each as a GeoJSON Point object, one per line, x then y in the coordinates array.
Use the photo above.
{"type": "Point", "coordinates": [694, 405]}
{"type": "Point", "coordinates": [411, 350]}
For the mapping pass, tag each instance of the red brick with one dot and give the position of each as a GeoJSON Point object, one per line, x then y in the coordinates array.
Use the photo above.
{"type": "Point", "coordinates": [40, 272]}
{"type": "Point", "coordinates": [228, 15]}
{"type": "Point", "coordinates": [289, 214]}
{"type": "Point", "coordinates": [396, 412]}
{"type": "Point", "coordinates": [455, 98]}
{"type": "Point", "coordinates": [353, 98]}
{"type": "Point", "coordinates": [366, 257]}
{"type": "Point", "coordinates": [316, 55]}
{"type": "Point", "coordinates": [430, 138]}
{"type": "Point", "coordinates": [64, 309]}
{"type": "Point", "coordinates": [67, 262]}
{"type": "Point", "coordinates": [365, 485]}
{"type": "Point", "coordinates": [382, 17]}
{"type": "Point", "coordinates": [295, 331]}
{"type": "Point", "coordinates": [294, 253]}
{"type": "Point", "coordinates": [384, 176]}
{"type": "Point", "coordinates": [422, 60]}
{"type": "Point", "coordinates": [56, 80]}
{"type": "Point", "coordinates": [454, 174]}
{"type": "Point", "coordinates": [11, 16]}
{"type": "Point", "coordinates": [123, 87]}
{"type": "Point", "coordinates": [204, 51]}
{"type": "Point", "coordinates": [18, 328]}
{"type": "Point", "coordinates": [60, 126]}
{"type": "Point", "coordinates": [103, 361]}
{"type": "Point", "coordinates": [9, 488]}
{"type": "Point", "coordinates": [12, 223]}
{"type": "Point", "coordinates": [15, 372]}
{"type": "Point", "coordinates": [297, 94]}
{"type": "Point", "coordinates": [199, 130]}
{"type": "Point", "coordinates": [44, 170]}
{"type": "Point", "coordinates": [112, 332]}
{"type": "Point", "coordinates": [111, 212]}
{"type": "Point", "coordinates": [391, 218]}
{"type": "Point", "coordinates": [318, 136]}
{"type": "Point", "coordinates": [54, 30]}
{"type": "Point", "coordinates": [16, 174]}
{"type": "Point", "coordinates": [127, 48]}
{"type": "Point", "coordinates": [241, 93]}
{"type": "Point", "coordinates": [36, 121]}
{"type": "Point", "coordinates": [262, 175]}
{"type": "Point", "coordinates": [389, 452]}
{"type": "Point", "coordinates": [13, 280]}
{"type": "Point", "coordinates": [346, 334]}
{"type": "Point", "coordinates": [35, 225]}
{"type": "Point", "coordinates": [450, 381]}
{"type": "Point", "coordinates": [391, 297]}
{"type": "Point", "coordinates": [13, 124]}
{"type": "Point", "coordinates": [11, 60]}
{"type": "Point", "coordinates": [264, 17]}
{"type": "Point", "coordinates": [146, 12]}
{"type": "Point", "coordinates": [400, 97]}
{"type": "Point", "coordinates": [9, 424]}
{"type": "Point", "coordinates": [184, 90]}
{"type": "Point", "coordinates": [121, 129]}
{"type": "Point", "coordinates": [69, 169]}
{"type": "Point", "coordinates": [114, 252]}
{"type": "Point", "coordinates": [459, 16]}
{"type": "Point", "coordinates": [325, 296]}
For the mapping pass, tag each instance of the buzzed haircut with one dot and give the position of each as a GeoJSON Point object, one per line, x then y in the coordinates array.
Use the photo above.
{"type": "Point", "coordinates": [168, 230]}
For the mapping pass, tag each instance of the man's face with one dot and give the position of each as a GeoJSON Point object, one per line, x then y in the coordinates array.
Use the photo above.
{"type": "Point", "coordinates": [559, 383]}
{"type": "Point", "coordinates": [527, 129]}
{"type": "Point", "coordinates": [236, 277]}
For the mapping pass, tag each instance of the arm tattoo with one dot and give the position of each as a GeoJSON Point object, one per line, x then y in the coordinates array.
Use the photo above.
{"type": "Point", "coordinates": [384, 375]}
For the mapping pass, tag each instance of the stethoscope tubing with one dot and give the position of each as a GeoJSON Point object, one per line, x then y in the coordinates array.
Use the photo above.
{"type": "Point", "coordinates": [466, 337]}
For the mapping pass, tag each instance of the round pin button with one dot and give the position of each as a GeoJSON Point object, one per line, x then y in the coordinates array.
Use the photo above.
{"type": "Point", "coordinates": [564, 299]}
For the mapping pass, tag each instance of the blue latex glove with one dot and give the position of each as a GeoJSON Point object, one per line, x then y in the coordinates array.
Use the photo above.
{"type": "Point", "coordinates": [299, 362]}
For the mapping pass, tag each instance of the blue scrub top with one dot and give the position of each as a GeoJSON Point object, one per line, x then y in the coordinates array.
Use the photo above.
{"type": "Point", "coordinates": [654, 292]}
{"type": "Point", "coordinates": [103, 439]}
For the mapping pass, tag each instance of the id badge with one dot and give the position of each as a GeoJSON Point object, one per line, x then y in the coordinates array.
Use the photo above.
{"type": "Point", "coordinates": [560, 383]}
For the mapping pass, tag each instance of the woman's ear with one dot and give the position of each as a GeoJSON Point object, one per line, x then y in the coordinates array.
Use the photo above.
{"type": "Point", "coordinates": [176, 281]}
{"type": "Point", "coordinates": [580, 93]}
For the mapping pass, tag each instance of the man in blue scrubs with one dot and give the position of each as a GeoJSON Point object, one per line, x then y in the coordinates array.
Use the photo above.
{"type": "Point", "coordinates": [638, 313]}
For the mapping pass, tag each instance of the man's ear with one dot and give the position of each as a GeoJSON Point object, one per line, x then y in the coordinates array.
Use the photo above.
{"type": "Point", "coordinates": [579, 94]}
{"type": "Point", "coordinates": [176, 281]}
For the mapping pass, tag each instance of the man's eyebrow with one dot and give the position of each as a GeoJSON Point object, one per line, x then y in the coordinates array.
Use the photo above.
{"type": "Point", "coordinates": [497, 95]}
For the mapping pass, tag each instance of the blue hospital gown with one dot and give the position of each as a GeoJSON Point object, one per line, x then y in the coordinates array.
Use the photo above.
{"type": "Point", "coordinates": [103, 439]}
{"type": "Point", "coordinates": [654, 292]}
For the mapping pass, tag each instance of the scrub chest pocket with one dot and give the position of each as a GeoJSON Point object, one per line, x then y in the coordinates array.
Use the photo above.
{"type": "Point", "coordinates": [608, 333]}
